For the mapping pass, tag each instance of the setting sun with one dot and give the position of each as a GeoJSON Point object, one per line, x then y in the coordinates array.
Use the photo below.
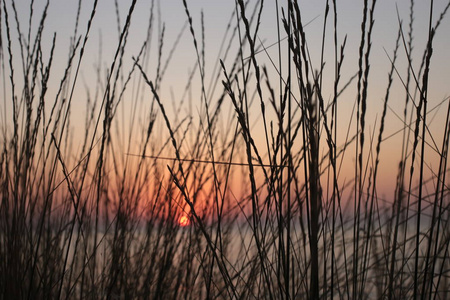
{"type": "Point", "coordinates": [184, 221]}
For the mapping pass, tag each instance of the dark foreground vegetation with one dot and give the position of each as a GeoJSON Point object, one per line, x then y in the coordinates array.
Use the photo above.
{"type": "Point", "coordinates": [281, 191]}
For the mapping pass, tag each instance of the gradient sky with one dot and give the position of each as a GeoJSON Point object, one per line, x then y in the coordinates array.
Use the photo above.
{"type": "Point", "coordinates": [217, 13]}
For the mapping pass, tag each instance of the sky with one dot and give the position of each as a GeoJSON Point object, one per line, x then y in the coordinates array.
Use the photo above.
{"type": "Point", "coordinates": [171, 15]}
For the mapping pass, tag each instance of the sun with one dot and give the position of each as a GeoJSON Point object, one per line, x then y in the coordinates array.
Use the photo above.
{"type": "Point", "coordinates": [184, 221]}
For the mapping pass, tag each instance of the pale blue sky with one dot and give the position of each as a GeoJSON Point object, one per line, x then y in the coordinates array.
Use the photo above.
{"type": "Point", "coordinates": [61, 18]}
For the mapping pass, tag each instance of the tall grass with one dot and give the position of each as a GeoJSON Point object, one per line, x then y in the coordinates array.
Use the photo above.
{"type": "Point", "coordinates": [91, 208]}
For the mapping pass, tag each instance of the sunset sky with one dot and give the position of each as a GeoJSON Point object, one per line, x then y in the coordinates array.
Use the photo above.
{"type": "Point", "coordinates": [104, 36]}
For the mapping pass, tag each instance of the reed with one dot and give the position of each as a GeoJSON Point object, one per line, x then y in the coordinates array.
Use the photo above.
{"type": "Point", "coordinates": [243, 193]}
